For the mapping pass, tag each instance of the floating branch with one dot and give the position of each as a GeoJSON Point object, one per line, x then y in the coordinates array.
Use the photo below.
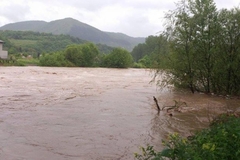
{"type": "Point", "coordinates": [155, 99]}
{"type": "Point", "coordinates": [70, 98]}
{"type": "Point", "coordinates": [176, 106]}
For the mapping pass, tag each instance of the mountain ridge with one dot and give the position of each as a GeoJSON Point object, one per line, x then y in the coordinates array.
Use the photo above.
{"type": "Point", "coordinates": [75, 28]}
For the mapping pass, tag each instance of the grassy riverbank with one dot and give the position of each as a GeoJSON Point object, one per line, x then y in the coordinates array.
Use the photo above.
{"type": "Point", "coordinates": [21, 62]}
{"type": "Point", "coordinates": [220, 141]}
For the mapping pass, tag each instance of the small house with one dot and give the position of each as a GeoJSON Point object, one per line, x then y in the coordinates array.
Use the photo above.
{"type": "Point", "coordinates": [3, 54]}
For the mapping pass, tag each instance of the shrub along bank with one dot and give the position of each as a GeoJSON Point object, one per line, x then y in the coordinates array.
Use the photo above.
{"type": "Point", "coordinates": [220, 141]}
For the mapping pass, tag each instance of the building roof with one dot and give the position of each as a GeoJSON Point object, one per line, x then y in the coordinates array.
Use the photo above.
{"type": "Point", "coordinates": [1, 41]}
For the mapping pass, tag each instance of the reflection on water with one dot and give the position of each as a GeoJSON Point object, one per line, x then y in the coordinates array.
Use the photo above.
{"type": "Point", "coordinates": [92, 113]}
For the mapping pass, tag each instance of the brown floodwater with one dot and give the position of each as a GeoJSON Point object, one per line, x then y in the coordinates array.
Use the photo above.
{"type": "Point", "coordinates": [92, 113]}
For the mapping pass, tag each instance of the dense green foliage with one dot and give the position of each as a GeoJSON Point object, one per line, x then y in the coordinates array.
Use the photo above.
{"type": "Point", "coordinates": [205, 47]}
{"type": "Point", "coordinates": [220, 141]}
{"type": "Point", "coordinates": [200, 48]}
{"type": "Point", "coordinates": [152, 53]}
{"type": "Point", "coordinates": [56, 59]}
{"type": "Point", "coordinates": [87, 55]}
{"type": "Point", "coordinates": [118, 58]}
{"type": "Point", "coordinates": [82, 55]}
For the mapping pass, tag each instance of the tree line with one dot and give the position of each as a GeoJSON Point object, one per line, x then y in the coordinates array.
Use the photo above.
{"type": "Point", "coordinates": [152, 53]}
{"type": "Point", "coordinates": [200, 48]}
{"type": "Point", "coordinates": [205, 46]}
{"type": "Point", "coordinates": [87, 55]}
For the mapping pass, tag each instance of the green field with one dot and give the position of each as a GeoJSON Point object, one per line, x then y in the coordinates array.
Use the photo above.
{"type": "Point", "coordinates": [22, 42]}
{"type": "Point", "coordinates": [27, 62]}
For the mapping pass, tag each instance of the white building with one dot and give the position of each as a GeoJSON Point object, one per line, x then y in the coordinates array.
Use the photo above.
{"type": "Point", "coordinates": [3, 54]}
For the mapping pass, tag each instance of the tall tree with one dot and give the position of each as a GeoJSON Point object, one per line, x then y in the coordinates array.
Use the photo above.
{"type": "Point", "coordinates": [139, 51]}
{"type": "Point", "coordinates": [197, 33]}
{"type": "Point", "coordinates": [181, 31]}
{"type": "Point", "coordinates": [228, 76]}
{"type": "Point", "coordinates": [82, 55]}
{"type": "Point", "coordinates": [206, 30]}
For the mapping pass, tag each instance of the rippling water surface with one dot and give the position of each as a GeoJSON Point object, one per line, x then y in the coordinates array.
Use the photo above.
{"type": "Point", "coordinates": [91, 113]}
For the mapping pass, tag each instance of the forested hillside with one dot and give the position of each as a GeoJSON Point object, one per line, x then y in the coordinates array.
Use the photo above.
{"type": "Point", "coordinates": [77, 29]}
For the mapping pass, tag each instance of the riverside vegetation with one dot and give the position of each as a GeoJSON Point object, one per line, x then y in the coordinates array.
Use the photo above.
{"type": "Point", "coordinates": [220, 141]}
{"type": "Point", "coordinates": [199, 49]}
{"type": "Point", "coordinates": [87, 55]}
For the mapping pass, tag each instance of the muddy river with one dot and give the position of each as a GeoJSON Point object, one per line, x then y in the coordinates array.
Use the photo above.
{"type": "Point", "coordinates": [92, 113]}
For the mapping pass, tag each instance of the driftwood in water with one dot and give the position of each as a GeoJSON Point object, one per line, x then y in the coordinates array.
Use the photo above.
{"type": "Point", "coordinates": [159, 109]}
{"type": "Point", "coordinates": [155, 99]}
{"type": "Point", "coordinates": [176, 106]}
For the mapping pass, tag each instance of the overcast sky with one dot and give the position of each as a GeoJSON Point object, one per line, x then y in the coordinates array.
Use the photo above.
{"type": "Point", "coordinates": [137, 18]}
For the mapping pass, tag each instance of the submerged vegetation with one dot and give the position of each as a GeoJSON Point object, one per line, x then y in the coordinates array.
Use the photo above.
{"type": "Point", "coordinates": [200, 48]}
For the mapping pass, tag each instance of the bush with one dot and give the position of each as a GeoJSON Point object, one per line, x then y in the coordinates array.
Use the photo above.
{"type": "Point", "coordinates": [220, 141]}
{"type": "Point", "coordinates": [83, 55]}
{"type": "Point", "coordinates": [56, 59]}
{"type": "Point", "coordinates": [138, 65]}
{"type": "Point", "coordinates": [118, 58]}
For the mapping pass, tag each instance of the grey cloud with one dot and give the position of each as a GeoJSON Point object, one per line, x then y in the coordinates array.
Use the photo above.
{"type": "Point", "coordinates": [14, 12]}
{"type": "Point", "coordinates": [136, 24]}
{"type": "Point", "coordinates": [150, 4]}
{"type": "Point", "coordinates": [227, 4]}
{"type": "Point", "coordinates": [90, 5]}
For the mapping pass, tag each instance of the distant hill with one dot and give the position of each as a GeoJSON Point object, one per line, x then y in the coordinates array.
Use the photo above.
{"type": "Point", "coordinates": [75, 28]}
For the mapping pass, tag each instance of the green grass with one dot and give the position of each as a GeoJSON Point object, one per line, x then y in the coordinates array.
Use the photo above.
{"type": "Point", "coordinates": [23, 42]}
{"type": "Point", "coordinates": [27, 62]}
